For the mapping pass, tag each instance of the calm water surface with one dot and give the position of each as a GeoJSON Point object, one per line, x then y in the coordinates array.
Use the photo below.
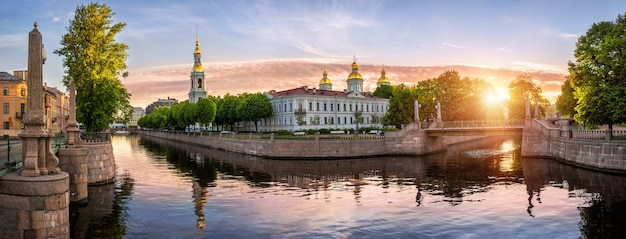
{"type": "Point", "coordinates": [476, 190]}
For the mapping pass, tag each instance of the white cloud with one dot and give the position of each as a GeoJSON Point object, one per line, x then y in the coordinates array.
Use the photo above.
{"type": "Point", "coordinates": [563, 35]}
{"type": "Point", "coordinates": [452, 45]}
{"type": "Point", "coordinates": [14, 40]}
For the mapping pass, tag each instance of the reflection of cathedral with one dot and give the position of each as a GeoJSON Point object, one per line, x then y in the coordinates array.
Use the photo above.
{"type": "Point", "coordinates": [311, 108]}
{"type": "Point", "coordinates": [197, 90]}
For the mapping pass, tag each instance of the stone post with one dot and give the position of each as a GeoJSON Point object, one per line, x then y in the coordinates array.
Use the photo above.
{"type": "Point", "coordinates": [438, 111]}
{"type": "Point", "coordinates": [416, 114]}
{"type": "Point", "coordinates": [73, 157]}
{"type": "Point", "coordinates": [527, 107]}
{"type": "Point", "coordinates": [536, 108]}
{"type": "Point", "coordinates": [37, 195]}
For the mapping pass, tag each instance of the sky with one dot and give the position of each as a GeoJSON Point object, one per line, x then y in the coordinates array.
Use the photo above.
{"type": "Point", "coordinates": [514, 35]}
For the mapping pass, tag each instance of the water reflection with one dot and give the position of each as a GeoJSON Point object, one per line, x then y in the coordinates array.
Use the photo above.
{"type": "Point", "coordinates": [482, 189]}
{"type": "Point", "coordinates": [104, 215]}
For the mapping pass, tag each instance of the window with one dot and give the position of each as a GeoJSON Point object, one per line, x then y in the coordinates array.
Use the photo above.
{"type": "Point", "coordinates": [5, 125]}
{"type": "Point", "coordinates": [344, 107]}
{"type": "Point", "coordinates": [310, 106]}
{"type": "Point", "coordinates": [5, 108]}
{"type": "Point", "coordinates": [318, 106]}
{"type": "Point", "coordinates": [324, 106]}
{"type": "Point", "coordinates": [6, 90]}
{"type": "Point", "coordinates": [350, 107]}
{"type": "Point", "coordinates": [331, 107]}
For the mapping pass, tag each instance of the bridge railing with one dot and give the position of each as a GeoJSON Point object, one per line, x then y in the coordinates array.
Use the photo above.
{"type": "Point", "coordinates": [474, 124]}
{"type": "Point", "coordinates": [600, 134]}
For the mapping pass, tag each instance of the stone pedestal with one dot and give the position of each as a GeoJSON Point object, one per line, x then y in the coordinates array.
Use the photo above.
{"type": "Point", "coordinates": [74, 162]}
{"type": "Point", "coordinates": [34, 207]}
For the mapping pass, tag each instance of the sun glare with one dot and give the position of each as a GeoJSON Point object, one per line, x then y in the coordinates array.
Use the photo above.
{"type": "Point", "coordinates": [496, 96]}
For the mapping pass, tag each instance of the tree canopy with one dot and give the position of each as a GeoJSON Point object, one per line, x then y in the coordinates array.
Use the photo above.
{"type": "Point", "coordinates": [518, 89]}
{"type": "Point", "coordinates": [94, 60]}
{"type": "Point", "coordinates": [600, 70]}
{"type": "Point", "coordinates": [254, 107]}
{"type": "Point", "coordinates": [566, 102]}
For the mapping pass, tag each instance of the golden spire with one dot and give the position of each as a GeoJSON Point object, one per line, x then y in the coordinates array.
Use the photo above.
{"type": "Point", "coordinates": [197, 42]}
{"type": "Point", "coordinates": [197, 55]}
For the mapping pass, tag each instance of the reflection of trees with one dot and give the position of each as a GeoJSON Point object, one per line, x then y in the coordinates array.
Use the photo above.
{"type": "Point", "coordinates": [113, 225]}
{"type": "Point", "coordinates": [462, 175]}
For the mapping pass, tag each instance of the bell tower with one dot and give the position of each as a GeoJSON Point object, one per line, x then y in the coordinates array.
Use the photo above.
{"type": "Point", "coordinates": [197, 90]}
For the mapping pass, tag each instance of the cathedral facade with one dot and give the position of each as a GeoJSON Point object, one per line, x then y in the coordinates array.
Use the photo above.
{"type": "Point", "coordinates": [310, 108]}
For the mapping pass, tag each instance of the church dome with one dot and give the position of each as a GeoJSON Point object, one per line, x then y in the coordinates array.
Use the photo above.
{"type": "Point", "coordinates": [383, 78]}
{"type": "Point", "coordinates": [355, 71]}
{"type": "Point", "coordinates": [197, 68]}
{"type": "Point", "coordinates": [325, 80]}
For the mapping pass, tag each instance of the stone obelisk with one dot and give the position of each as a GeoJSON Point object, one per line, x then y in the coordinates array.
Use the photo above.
{"type": "Point", "coordinates": [73, 157]}
{"type": "Point", "coordinates": [36, 195]}
{"type": "Point", "coordinates": [37, 154]}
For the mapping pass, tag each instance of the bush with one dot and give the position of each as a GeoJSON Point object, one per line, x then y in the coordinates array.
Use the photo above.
{"type": "Point", "coordinates": [324, 131]}
{"type": "Point", "coordinates": [311, 131]}
{"type": "Point", "coordinates": [283, 132]}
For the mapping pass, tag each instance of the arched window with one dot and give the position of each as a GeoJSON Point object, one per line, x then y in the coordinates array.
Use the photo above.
{"type": "Point", "coordinates": [199, 83]}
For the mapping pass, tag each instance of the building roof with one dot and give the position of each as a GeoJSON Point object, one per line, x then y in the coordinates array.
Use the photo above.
{"type": "Point", "coordinates": [8, 77]}
{"type": "Point", "coordinates": [303, 90]}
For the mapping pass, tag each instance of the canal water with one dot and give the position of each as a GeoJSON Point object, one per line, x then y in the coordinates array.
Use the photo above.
{"type": "Point", "coordinates": [482, 189]}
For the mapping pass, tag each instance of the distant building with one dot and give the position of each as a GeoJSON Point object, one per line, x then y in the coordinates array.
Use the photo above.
{"type": "Point", "coordinates": [160, 102]}
{"type": "Point", "coordinates": [57, 109]}
{"type": "Point", "coordinates": [13, 101]}
{"type": "Point", "coordinates": [197, 90]}
{"type": "Point", "coordinates": [138, 112]}
{"type": "Point", "coordinates": [310, 108]}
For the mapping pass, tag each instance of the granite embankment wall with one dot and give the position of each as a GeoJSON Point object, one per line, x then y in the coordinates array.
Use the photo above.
{"type": "Point", "coordinates": [100, 162]}
{"type": "Point", "coordinates": [408, 141]}
{"type": "Point", "coordinates": [593, 149]}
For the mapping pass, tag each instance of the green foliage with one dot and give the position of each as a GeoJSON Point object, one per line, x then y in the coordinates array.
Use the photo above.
{"type": "Point", "coordinates": [460, 99]}
{"type": "Point", "coordinates": [400, 106]}
{"type": "Point", "coordinates": [315, 120]}
{"type": "Point", "coordinates": [93, 60]}
{"type": "Point", "coordinates": [283, 132]}
{"type": "Point", "coordinates": [300, 120]}
{"type": "Point", "coordinates": [600, 70]}
{"type": "Point", "coordinates": [227, 111]}
{"type": "Point", "coordinates": [206, 109]}
{"type": "Point", "coordinates": [566, 102]}
{"type": "Point", "coordinates": [384, 91]}
{"type": "Point", "coordinates": [517, 102]}
{"type": "Point", "coordinates": [254, 107]}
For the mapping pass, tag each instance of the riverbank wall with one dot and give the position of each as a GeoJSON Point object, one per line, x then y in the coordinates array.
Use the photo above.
{"type": "Point", "coordinates": [593, 149]}
{"type": "Point", "coordinates": [408, 141]}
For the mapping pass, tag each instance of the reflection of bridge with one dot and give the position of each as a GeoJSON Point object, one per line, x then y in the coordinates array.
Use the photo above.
{"type": "Point", "coordinates": [474, 128]}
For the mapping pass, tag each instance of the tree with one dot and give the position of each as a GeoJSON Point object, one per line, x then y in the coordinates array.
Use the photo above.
{"type": "Point", "coordinates": [300, 120]}
{"type": "Point", "coordinates": [518, 89]}
{"type": "Point", "coordinates": [227, 111]}
{"type": "Point", "coordinates": [566, 102]}
{"type": "Point", "coordinates": [383, 91]}
{"type": "Point", "coordinates": [206, 111]}
{"type": "Point", "coordinates": [600, 70]}
{"type": "Point", "coordinates": [93, 60]}
{"type": "Point", "coordinates": [254, 107]}
{"type": "Point", "coordinates": [401, 106]}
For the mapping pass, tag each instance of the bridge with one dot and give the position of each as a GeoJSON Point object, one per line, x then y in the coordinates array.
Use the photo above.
{"type": "Point", "coordinates": [473, 128]}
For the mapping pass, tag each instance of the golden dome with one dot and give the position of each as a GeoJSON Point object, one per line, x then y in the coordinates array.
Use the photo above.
{"type": "Point", "coordinates": [355, 71]}
{"type": "Point", "coordinates": [325, 80]}
{"type": "Point", "coordinates": [355, 76]}
{"type": "Point", "coordinates": [383, 78]}
{"type": "Point", "coordinates": [197, 68]}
